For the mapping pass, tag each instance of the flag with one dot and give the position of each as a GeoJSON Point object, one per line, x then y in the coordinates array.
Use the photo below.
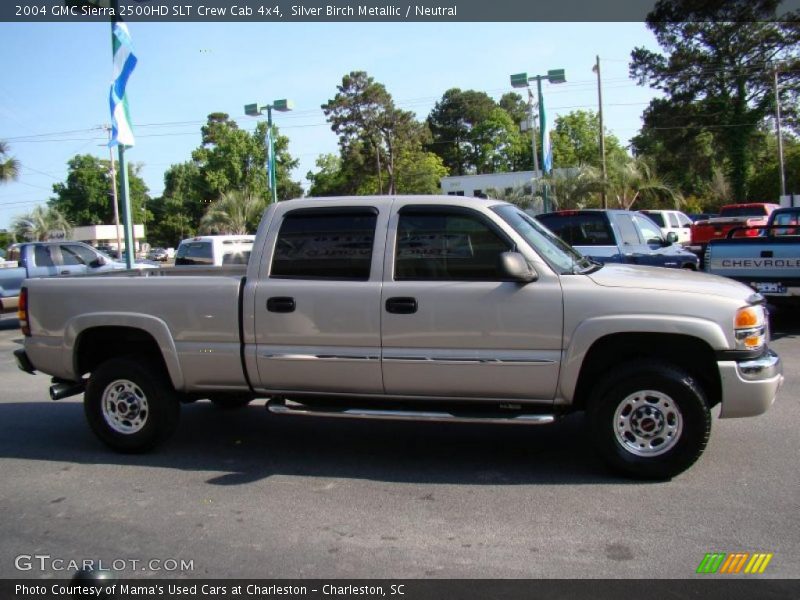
{"type": "Point", "coordinates": [124, 63]}
{"type": "Point", "coordinates": [547, 151]}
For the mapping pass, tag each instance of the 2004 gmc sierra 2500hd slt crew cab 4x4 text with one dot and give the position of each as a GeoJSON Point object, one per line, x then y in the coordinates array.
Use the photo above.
{"type": "Point", "coordinates": [412, 307]}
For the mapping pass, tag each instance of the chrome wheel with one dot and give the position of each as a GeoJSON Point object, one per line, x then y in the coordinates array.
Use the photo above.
{"type": "Point", "coordinates": [124, 406]}
{"type": "Point", "coordinates": [648, 423]}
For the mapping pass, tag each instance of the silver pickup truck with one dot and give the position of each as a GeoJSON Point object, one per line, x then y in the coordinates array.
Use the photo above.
{"type": "Point", "coordinates": [415, 307]}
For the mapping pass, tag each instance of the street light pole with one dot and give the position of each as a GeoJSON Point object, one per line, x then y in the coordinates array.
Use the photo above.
{"type": "Point", "coordinates": [520, 80]}
{"type": "Point", "coordinates": [253, 110]}
{"type": "Point", "coordinates": [602, 131]}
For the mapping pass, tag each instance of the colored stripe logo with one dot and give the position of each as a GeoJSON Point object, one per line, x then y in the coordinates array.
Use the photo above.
{"type": "Point", "coordinates": [734, 563]}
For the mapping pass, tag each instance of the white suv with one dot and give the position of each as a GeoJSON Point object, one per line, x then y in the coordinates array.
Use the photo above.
{"type": "Point", "coordinates": [215, 250]}
{"type": "Point", "coordinates": [674, 221]}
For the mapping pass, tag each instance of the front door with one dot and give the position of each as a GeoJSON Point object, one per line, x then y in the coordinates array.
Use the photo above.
{"type": "Point", "coordinates": [453, 325]}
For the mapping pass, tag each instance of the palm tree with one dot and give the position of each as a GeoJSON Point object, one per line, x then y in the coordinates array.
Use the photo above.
{"type": "Point", "coordinates": [235, 212]}
{"type": "Point", "coordinates": [634, 179]}
{"type": "Point", "coordinates": [39, 224]}
{"type": "Point", "coordinates": [9, 167]}
{"type": "Point", "coordinates": [576, 187]}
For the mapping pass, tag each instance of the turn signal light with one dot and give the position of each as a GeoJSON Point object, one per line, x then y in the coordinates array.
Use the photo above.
{"type": "Point", "coordinates": [750, 328]}
{"type": "Point", "coordinates": [750, 316]}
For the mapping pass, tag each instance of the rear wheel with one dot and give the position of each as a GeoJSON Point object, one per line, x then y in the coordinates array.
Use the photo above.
{"type": "Point", "coordinates": [131, 405]}
{"type": "Point", "coordinates": [649, 420]}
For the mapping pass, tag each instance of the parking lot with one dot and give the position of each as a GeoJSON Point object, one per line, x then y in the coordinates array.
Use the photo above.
{"type": "Point", "coordinates": [249, 494]}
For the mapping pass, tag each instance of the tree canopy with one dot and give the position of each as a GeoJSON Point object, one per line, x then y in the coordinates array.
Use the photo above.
{"type": "Point", "coordinates": [716, 72]}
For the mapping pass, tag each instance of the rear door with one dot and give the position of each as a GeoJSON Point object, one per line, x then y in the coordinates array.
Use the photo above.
{"type": "Point", "coordinates": [317, 318]}
{"type": "Point", "coordinates": [452, 325]}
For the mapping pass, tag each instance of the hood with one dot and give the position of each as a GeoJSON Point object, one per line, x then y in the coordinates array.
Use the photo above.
{"type": "Point", "coordinates": [672, 280]}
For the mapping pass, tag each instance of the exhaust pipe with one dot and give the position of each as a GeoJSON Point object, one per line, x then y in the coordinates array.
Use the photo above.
{"type": "Point", "coordinates": [64, 389]}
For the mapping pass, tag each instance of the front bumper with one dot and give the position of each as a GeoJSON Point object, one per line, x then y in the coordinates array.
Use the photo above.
{"type": "Point", "coordinates": [749, 387]}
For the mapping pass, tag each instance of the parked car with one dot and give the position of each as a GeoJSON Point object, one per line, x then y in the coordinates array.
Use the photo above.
{"type": "Point", "coordinates": [215, 250]}
{"type": "Point", "coordinates": [748, 215]}
{"type": "Point", "coordinates": [672, 221]}
{"type": "Point", "coordinates": [769, 263]}
{"type": "Point", "coordinates": [108, 250]}
{"type": "Point", "coordinates": [48, 259]}
{"type": "Point", "coordinates": [412, 308]}
{"type": "Point", "coordinates": [621, 236]}
{"type": "Point", "coordinates": [158, 254]}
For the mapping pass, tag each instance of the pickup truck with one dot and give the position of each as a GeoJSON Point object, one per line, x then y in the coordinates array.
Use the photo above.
{"type": "Point", "coordinates": [48, 259]}
{"type": "Point", "coordinates": [411, 307]}
{"type": "Point", "coordinates": [621, 236]}
{"type": "Point", "coordinates": [769, 263]}
{"type": "Point", "coordinates": [749, 216]}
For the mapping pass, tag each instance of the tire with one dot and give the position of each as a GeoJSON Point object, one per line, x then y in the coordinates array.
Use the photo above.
{"type": "Point", "coordinates": [143, 390]}
{"type": "Point", "coordinates": [231, 402]}
{"type": "Point", "coordinates": [649, 420]}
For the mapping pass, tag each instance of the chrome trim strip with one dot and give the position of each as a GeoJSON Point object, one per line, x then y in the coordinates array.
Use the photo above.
{"type": "Point", "coordinates": [282, 356]}
{"type": "Point", "coordinates": [461, 361]}
{"type": "Point", "coordinates": [407, 415]}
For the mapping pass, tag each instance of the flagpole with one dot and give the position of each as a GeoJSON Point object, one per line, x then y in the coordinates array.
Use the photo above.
{"type": "Point", "coordinates": [123, 167]}
{"type": "Point", "coordinates": [542, 133]}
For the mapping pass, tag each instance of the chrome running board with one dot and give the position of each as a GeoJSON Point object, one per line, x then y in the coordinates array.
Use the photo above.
{"type": "Point", "coordinates": [281, 406]}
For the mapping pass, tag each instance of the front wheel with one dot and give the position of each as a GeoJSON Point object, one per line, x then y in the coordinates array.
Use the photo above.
{"type": "Point", "coordinates": [131, 405]}
{"type": "Point", "coordinates": [649, 420]}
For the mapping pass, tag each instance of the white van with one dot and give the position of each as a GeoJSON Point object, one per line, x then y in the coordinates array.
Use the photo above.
{"type": "Point", "coordinates": [215, 250]}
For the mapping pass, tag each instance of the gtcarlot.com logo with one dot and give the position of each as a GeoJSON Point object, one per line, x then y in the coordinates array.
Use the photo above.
{"type": "Point", "coordinates": [734, 563]}
{"type": "Point", "coordinates": [46, 562]}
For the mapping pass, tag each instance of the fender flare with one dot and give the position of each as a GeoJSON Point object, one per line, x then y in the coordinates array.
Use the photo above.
{"type": "Point", "coordinates": [151, 325]}
{"type": "Point", "coordinates": [591, 330]}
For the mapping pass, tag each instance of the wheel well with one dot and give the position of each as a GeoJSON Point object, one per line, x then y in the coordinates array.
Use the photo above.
{"type": "Point", "coordinates": [96, 345]}
{"type": "Point", "coordinates": [688, 353]}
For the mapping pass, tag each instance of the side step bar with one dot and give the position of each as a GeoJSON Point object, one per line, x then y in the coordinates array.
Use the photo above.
{"type": "Point", "coordinates": [288, 407]}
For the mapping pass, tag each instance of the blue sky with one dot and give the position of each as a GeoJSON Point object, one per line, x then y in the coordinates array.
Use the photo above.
{"type": "Point", "coordinates": [54, 90]}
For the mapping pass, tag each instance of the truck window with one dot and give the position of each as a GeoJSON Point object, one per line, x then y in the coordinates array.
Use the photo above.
{"type": "Point", "coordinates": [325, 245]}
{"type": "Point", "coordinates": [434, 246]}
{"type": "Point", "coordinates": [650, 232]}
{"type": "Point", "coordinates": [657, 218]}
{"type": "Point", "coordinates": [43, 256]}
{"type": "Point", "coordinates": [580, 229]}
{"type": "Point", "coordinates": [195, 253]}
{"type": "Point", "coordinates": [627, 229]}
{"type": "Point", "coordinates": [72, 254]}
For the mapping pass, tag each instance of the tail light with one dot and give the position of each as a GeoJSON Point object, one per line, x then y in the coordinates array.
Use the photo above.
{"type": "Point", "coordinates": [22, 312]}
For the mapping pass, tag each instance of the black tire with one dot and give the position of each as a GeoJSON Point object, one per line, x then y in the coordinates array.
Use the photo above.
{"type": "Point", "coordinates": [151, 409]}
{"type": "Point", "coordinates": [230, 401]}
{"type": "Point", "coordinates": [649, 420]}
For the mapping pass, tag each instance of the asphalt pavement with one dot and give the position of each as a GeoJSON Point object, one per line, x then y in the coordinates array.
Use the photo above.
{"type": "Point", "coordinates": [250, 494]}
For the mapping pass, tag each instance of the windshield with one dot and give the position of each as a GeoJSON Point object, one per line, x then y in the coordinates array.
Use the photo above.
{"type": "Point", "coordinates": [560, 255]}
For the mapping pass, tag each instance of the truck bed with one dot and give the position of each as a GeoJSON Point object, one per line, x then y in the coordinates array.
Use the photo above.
{"type": "Point", "coordinates": [193, 315]}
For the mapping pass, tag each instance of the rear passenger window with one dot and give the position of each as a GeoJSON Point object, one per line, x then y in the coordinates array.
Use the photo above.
{"type": "Point", "coordinates": [447, 247]}
{"type": "Point", "coordinates": [43, 257]}
{"type": "Point", "coordinates": [195, 253]}
{"type": "Point", "coordinates": [325, 244]}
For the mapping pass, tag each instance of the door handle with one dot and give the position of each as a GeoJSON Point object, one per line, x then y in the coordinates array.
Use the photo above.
{"type": "Point", "coordinates": [281, 304]}
{"type": "Point", "coordinates": [401, 306]}
{"type": "Point", "coordinates": [64, 273]}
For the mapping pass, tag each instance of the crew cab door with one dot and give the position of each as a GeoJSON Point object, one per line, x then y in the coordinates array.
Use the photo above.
{"type": "Point", "coordinates": [316, 307]}
{"type": "Point", "coordinates": [452, 325]}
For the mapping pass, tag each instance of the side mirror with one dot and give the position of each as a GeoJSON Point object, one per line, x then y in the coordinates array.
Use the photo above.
{"type": "Point", "coordinates": [672, 237]}
{"type": "Point", "coordinates": [516, 268]}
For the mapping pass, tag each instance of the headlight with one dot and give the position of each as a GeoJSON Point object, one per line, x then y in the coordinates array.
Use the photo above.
{"type": "Point", "coordinates": [750, 328]}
